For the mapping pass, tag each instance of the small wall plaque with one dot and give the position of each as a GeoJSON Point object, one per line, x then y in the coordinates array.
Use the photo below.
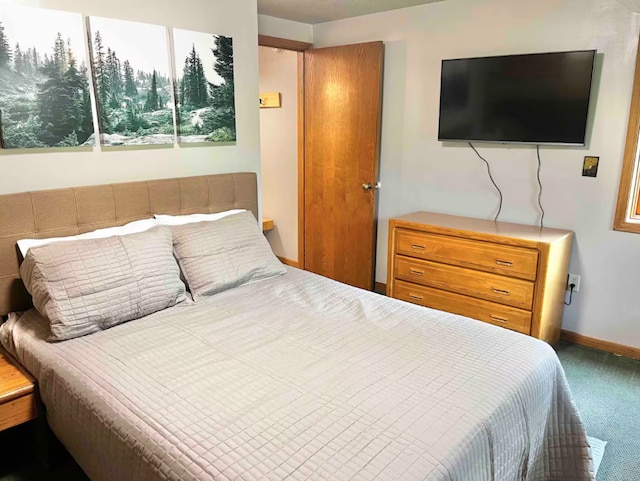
{"type": "Point", "coordinates": [590, 166]}
{"type": "Point", "coordinates": [269, 100]}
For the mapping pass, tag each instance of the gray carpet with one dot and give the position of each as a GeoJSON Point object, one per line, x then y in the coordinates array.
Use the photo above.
{"type": "Point", "coordinates": [606, 389]}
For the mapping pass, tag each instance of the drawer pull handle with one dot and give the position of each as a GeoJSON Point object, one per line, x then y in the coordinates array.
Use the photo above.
{"type": "Point", "coordinates": [504, 263]}
{"type": "Point", "coordinates": [500, 319]}
{"type": "Point", "coordinates": [416, 272]}
{"type": "Point", "coordinates": [500, 291]}
{"type": "Point", "coordinates": [415, 298]}
{"type": "Point", "coordinates": [418, 247]}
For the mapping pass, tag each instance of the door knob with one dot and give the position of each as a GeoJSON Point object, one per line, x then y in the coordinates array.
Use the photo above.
{"type": "Point", "coordinates": [368, 186]}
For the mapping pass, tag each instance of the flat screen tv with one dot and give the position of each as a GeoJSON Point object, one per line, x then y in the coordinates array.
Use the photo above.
{"type": "Point", "coordinates": [531, 99]}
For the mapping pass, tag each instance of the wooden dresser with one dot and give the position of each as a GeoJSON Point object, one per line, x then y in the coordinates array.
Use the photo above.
{"type": "Point", "coordinates": [506, 274]}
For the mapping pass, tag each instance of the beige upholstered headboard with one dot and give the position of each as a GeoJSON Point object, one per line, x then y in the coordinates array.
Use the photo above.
{"type": "Point", "coordinates": [62, 212]}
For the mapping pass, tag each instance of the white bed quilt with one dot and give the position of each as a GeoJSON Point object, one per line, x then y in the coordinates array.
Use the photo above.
{"type": "Point", "coordinates": [302, 378]}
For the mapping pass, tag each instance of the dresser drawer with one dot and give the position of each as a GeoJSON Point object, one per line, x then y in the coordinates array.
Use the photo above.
{"type": "Point", "coordinates": [500, 259]}
{"type": "Point", "coordinates": [491, 312]}
{"type": "Point", "coordinates": [492, 287]}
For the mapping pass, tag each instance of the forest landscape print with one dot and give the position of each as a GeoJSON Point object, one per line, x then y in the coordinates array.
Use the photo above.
{"type": "Point", "coordinates": [130, 64]}
{"type": "Point", "coordinates": [204, 89]}
{"type": "Point", "coordinates": [44, 80]}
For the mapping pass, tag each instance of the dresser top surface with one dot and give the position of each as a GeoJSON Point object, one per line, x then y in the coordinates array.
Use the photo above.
{"type": "Point", "coordinates": [449, 224]}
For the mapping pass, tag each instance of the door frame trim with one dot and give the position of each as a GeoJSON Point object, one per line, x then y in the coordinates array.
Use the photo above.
{"type": "Point", "coordinates": [300, 47]}
{"type": "Point", "coordinates": [301, 162]}
{"type": "Point", "coordinates": [283, 43]}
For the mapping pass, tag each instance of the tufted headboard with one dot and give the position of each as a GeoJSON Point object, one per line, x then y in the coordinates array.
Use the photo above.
{"type": "Point", "coordinates": [62, 212]}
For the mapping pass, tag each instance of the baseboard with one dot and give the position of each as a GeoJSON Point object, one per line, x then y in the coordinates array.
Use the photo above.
{"type": "Point", "coordinates": [289, 262]}
{"type": "Point", "coordinates": [607, 346]}
{"type": "Point", "coordinates": [380, 288]}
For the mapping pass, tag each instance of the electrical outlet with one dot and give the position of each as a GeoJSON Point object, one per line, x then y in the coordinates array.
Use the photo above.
{"type": "Point", "coordinates": [573, 279]}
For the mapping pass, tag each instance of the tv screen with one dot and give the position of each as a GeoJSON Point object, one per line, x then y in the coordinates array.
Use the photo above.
{"type": "Point", "coordinates": [534, 98]}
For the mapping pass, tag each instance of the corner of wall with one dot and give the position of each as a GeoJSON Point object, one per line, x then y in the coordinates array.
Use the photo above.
{"type": "Point", "coordinates": [282, 28]}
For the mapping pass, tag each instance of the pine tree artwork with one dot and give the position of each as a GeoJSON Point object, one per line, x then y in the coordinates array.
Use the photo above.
{"type": "Point", "coordinates": [204, 87]}
{"type": "Point", "coordinates": [44, 82]}
{"type": "Point", "coordinates": [5, 50]}
{"type": "Point", "coordinates": [133, 86]}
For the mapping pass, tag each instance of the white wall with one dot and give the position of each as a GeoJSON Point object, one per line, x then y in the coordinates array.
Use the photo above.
{"type": "Point", "coordinates": [238, 19]}
{"type": "Point", "coordinates": [420, 173]}
{"type": "Point", "coordinates": [279, 27]}
{"type": "Point", "coordinates": [279, 149]}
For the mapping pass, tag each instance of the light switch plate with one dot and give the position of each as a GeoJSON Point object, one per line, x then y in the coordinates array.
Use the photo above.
{"type": "Point", "coordinates": [590, 166]}
{"type": "Point", "coordinates": [269, 100]}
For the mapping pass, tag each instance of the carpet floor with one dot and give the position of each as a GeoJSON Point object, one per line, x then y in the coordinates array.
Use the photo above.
{"type": "Point", "coordinates": [606, 389]}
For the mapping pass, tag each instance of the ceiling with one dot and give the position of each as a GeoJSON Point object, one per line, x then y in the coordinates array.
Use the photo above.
{"type": "Point", "coordinates": [318, 11]}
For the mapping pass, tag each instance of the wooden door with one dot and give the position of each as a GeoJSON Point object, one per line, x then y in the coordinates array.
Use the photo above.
{"type": "Point", "coordinates": [342, 101]}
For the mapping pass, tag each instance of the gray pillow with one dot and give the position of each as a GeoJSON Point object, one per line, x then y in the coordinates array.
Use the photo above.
{"type": "Point", "coordinates": [218, 255]}
{"type": "Point", "coordinates": [85, 286]}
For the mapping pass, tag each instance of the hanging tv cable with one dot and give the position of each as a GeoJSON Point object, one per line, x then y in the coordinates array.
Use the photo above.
{"type": "Point", "coordinates": [492, 181]}
{"type": "Point", "coordinates": [540, 188]}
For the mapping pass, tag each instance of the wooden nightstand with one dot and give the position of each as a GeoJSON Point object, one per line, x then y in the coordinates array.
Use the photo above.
{"type": "Point", "coordinates": [17, 393]}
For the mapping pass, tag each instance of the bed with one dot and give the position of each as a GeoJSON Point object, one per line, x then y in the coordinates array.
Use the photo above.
{"type": "Point", "coordinates": [291, 377]}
